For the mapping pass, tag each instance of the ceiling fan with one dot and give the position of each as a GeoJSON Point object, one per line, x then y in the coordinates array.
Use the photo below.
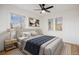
{"type": "Point", "coordinates": [44, 9]}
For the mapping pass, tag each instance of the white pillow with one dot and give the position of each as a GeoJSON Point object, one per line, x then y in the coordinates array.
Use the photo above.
{"type": "Point", "coordinates": [26, 34]}
{"type": "Point", "coordinates": [34, 33]}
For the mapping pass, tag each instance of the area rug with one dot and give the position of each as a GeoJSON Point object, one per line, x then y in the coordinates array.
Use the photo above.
{"type": "Point", "coordinates": [14, 52]}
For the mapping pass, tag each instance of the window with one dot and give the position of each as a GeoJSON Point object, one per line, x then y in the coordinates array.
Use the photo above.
{"type": "Point", "coordinates": [17, 20]}
{"type": "Point", "coordinates": [58, 23]}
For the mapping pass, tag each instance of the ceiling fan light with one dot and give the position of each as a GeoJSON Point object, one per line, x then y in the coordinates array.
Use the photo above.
{"type": "Point", "coordinates": [43, 11]}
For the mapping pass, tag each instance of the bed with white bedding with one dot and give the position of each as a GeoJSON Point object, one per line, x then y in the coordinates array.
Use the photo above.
{"type": "Point", "coordinates": [51, 47]}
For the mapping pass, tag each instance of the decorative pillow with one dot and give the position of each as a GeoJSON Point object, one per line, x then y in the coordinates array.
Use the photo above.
{"type": "Point", "coordinates": [39, 32]}
{"type": "Point", "coordinates": [26, 34]}
{"type": "Point", "coordinates": [34, 33]}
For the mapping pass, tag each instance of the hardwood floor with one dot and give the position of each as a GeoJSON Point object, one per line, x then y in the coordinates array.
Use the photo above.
{"type": "Point", "coordinates": [74, 49]}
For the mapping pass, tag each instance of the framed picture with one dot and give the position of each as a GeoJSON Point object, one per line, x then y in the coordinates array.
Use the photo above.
{"type": "Point", "coordinates": [50, 24]}
{"type": "Point", "coordinates": [58, 23]}
{"type": "Point", "coordinates": [33, 22]}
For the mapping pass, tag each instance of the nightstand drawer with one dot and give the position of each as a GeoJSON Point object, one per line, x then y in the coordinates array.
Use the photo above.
{"type": "Point", "coordinates": [10, 42]}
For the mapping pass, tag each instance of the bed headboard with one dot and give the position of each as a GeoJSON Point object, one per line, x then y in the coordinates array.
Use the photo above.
{"type": "Point", "coordinates": [39, 31]}
{"type": "Point", "coordinates": [19, 32]}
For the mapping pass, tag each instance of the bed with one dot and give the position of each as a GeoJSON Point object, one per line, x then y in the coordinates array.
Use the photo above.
{"type": "Point", "coordinates": [51, 47]}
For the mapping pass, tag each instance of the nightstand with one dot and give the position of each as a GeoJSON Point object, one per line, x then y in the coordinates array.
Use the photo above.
{"type": "Point", "coordinates": [10, 44]}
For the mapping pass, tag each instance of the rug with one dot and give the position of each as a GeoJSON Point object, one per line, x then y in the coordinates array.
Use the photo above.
{"type": "Point", "coordinates": [14, 52]}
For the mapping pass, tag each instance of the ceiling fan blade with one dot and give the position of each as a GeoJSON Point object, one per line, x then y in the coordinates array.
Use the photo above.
{"type": "Point", "coordinates": [49, 7]}
{"type": "Point", "coordinates": [47, 10]}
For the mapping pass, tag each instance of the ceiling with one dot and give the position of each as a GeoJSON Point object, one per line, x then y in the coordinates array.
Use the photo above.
{"type": "Point", "coordinates": [57, 7]}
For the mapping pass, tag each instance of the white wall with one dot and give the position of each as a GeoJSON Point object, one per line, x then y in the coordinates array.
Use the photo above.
{"type": "Point", "coordinates": [70, 31]}
{"type": "Point", "coordinates": [4, 20]}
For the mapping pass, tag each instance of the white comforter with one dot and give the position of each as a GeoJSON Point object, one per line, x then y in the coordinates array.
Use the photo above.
{"type": "Point", "coordinates": [51, 47]}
